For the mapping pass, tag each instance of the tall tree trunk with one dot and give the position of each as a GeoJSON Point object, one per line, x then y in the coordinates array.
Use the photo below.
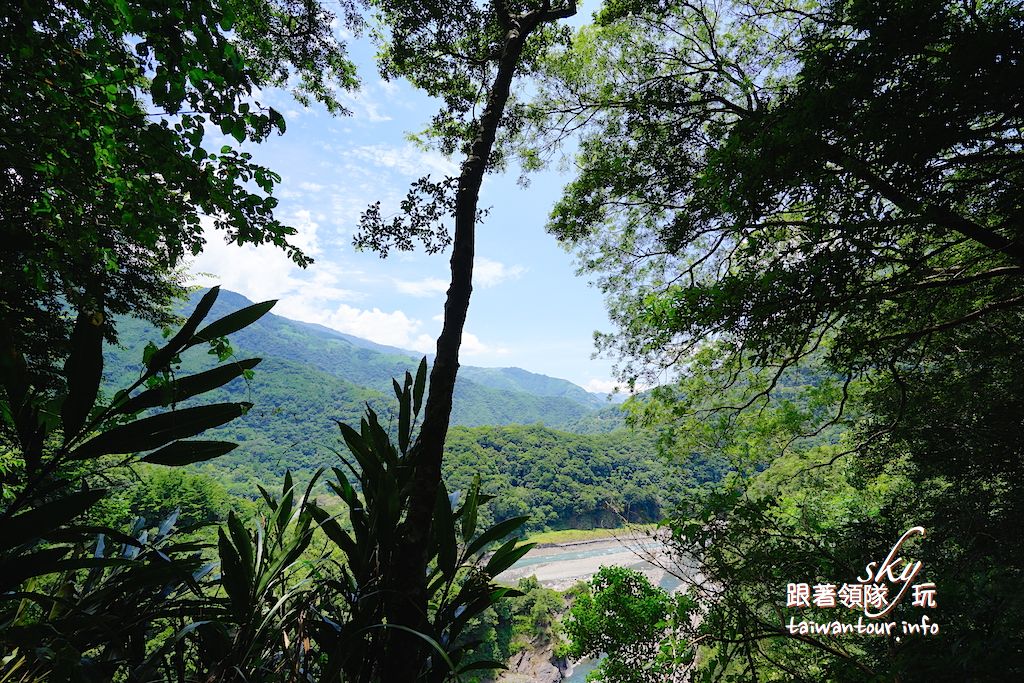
{"type": "Point", "coordinates": [409, 605]}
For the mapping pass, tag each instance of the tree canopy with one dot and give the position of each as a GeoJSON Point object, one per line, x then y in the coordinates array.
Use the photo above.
{"type": "Point", "coordinates": [779, 174]}
{"type": "Point", "coordinates": [108, 109]}
{"type": "Point", "coordinates": [809, 215]}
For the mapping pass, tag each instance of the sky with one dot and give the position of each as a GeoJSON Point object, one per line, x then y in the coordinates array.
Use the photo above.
{"type": "Point", "coordinates": [529, 308]}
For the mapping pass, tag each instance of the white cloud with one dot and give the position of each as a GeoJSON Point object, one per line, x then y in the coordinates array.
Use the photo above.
{"type": "Point", "coordinates": [602, 386]}
{"type": "Point", "coordinates": [394, 328]}
{"type": "Point", "coordinates": [306, 238]}
{"type": "Point", "coordinates": [428, 286]}
{"type": "Point", "coordinates": [267, 273]}
{"type": "Point", "coordinates": [472, 346]}
{"type": "Point", "coordinates": [425, 343]}
{"type": "Point", "coordinates": [608, 386]}
{"type": "Point", "coordinates": [408, 159]}
{"type": "Point", "coordinates": [311, 187]}
{"type": "Point", "coordinates": [363, 105]}
{"type": "Point", "coordinates": [488, 273]}
{"type": "Point", "coordinates": [389, 87]}
{"type": "Point", "coordinates": [315, 295]}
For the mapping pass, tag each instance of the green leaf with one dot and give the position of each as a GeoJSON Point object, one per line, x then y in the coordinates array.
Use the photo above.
{"type": "Point", "coordinates": [187, 387]}
{"type": "Point", "coordinates": [14, 570]}
{"type": "Point", "coordinates": [496, 532]}
{"type": "Point", "coordinates": [333, 530]}
{"type": "Point", "coordinates": [506, 556]}
{"type": "Point", "coordinates": [404, 416]}
{"type": "Point", "coordinates": [469, 509]}
{"type": "Point", "coordinates": [240, 539]}
{"type": "Point", "coordinates": [444, 533]}
{"type": "Point", "coordinates": [84, 371]}
{"type": "Point", "coordinates": [419, 386]}
{"type": "Point", "coordinates": [177, 343]}
{"type": "Point", "coordinates": [482, 665]}
{"type": "Point", "coordinates": [232, 576]}
{"type": "Point", "coordinates": [154, 432]}
{"type": "Point", "coordinates": [46, 518]}
{"type": "Point", "coordinates": [188, 452]}
{"type": "Point", "coordinates": [231, 323]}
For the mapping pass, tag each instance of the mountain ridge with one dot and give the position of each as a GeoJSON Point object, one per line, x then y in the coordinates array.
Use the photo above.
{"type": "Point", "coordinates": [502, 378]}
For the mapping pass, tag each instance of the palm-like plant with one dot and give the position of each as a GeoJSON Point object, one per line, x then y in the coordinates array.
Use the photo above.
{"type": "Point", "coordinates": [90, 614]}
{"type": "Point", "coordinates": [354, 630]}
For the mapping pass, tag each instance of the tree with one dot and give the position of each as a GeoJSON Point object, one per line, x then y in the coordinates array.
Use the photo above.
{"type": "Point", "coordinates": [783, 175]}
{"type": "Point", "coordinates": [468, 55]}
{"type": "Point", "coordinates": [107, 173]}
{"type": "Point", "coordinates": [771, 191]}
{"type": "Point", "coordinates": [635, 624]}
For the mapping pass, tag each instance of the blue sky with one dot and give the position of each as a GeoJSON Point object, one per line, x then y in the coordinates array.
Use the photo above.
{"type": "Point", "coordinates": [529, 308]}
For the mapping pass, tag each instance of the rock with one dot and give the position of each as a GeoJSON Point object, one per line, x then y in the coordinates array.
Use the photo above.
{"type": "Point", "coordinates": [533, 665]}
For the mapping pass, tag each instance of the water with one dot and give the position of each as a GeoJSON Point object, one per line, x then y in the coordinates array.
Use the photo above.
{"type": "Point", "coordinates": [582, 668]}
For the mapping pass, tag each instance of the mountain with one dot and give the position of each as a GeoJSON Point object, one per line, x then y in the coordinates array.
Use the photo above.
{"type": "Point", "coordinates": [483, 396]}
{"type": "Point", "coordinates": [541, 445]}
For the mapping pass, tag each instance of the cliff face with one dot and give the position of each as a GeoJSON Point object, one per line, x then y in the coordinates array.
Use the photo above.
{"type": "Point", "coordinates": [536, 664]}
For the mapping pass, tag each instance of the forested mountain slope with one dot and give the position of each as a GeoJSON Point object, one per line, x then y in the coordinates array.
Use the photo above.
{"type": "Point", "coordinates": [505, 422]}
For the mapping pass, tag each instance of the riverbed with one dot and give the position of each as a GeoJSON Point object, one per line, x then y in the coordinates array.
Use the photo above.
{"type": "Point", "coordinates": [563, 565]}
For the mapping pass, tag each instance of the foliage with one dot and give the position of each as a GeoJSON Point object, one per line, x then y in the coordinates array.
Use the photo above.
{"type": "Point", "coordinates": [531, 619]}
{"type": "Point", "coordinates": [358, 638]}
{"type": "Point", "coordinates": [795, 174]}
{"type": "Point", "coordinates": [809, 214]}
{"type": "Point", "coordinates": [96, 615]}
{"type": "Point", "coordinates": [564, 480]}
{"type": "Point", "coordinates": [198, 499]}
{"type": "Point", "coordinates": [108, 163]}
{"type": "Point", "coordinates": [258, 630]}
{"type": "Point", "coordinates": [635, 624]}
{"type": "Point", "coordinates": [61, 445]}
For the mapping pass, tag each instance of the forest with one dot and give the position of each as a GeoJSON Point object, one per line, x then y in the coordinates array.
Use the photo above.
{"type": "Point", "coordinates": [805, 220]}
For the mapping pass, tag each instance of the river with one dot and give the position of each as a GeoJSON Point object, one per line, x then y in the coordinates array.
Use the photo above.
{"type": "Point", "coordinates": [564, 565]}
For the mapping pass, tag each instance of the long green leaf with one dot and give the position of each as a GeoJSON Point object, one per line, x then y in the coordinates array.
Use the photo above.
{"type": "Point", "coordinates": [444, 533]}
{"type": "Point", "coordinates": [188, 452]}
{"type": "Point", "coordinates": [46, 518]}
{"type": "Point", "coordinates": [231, 323]}
{"type": "Point", "coordinates": [84, 371]}
{"type": "Point", "coordinates": [334, 532]}
{"type": "Point", "coordinates": [419, 385]}
{"type": "Point", "coordinates": [496, 532]}
{"type": "Point", "coordinates": [158, 430]}
{"type": "Point", "coordinates": [468, 513]}
{"type": "Point", "coordinates": [187, 387]}
{"type": "Point", "coordinates": [243, 544]}
{"type": "Point", "coordinates": [177, 343]}
{"type": "Point", "coordinates": [404, 415]}
{"type": "Point", "coordinates": [482, 665]}
{"type": "Point", "coordinates": [506, 556]}
{"type": "Point", "coordinates": [232, 576]}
